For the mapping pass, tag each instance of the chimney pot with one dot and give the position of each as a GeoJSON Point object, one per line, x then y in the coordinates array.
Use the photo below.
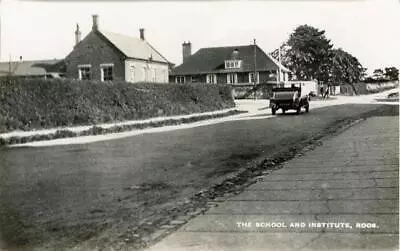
{"type": "Point", "coordinates": [95, 22]}
{"type": "Point", "coordinates": [141, 30]}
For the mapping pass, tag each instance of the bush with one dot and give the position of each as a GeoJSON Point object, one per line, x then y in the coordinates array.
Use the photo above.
{"type": "Point", "coordinates": [38, 104]}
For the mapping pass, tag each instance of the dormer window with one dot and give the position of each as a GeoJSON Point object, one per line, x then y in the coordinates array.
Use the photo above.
{"type": "Point", "coordinates": [233, 64]}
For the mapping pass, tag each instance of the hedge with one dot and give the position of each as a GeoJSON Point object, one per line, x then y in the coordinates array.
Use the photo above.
{"type": "Point", "coordinates": [40, 104]}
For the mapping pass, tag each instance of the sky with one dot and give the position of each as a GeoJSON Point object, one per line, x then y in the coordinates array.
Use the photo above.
{"type": "Point", "coordinates": [368, 29]}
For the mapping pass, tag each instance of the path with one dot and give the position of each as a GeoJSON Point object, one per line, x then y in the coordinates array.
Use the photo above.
{"type": "Point", "coordinates": [351, 180]}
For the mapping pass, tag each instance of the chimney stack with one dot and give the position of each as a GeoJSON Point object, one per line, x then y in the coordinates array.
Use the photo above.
{"type": "Point", "coordinates": [141, 33]}
{"type": "Point", "coordinates": [186, 50]}
{"type": "Point", "coordinates": [77, 35]}
{"type": "Point", "coordinates": [235, 54]}
{"type": "Point", "coordinates": [95, 22]}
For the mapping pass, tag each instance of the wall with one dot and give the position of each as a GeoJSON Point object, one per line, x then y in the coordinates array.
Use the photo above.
{"type": "Point", "coordinates": [139, 74]}
{"type": "Point", "coordinates": [221, 78]}
{"type": "Point", "coordinates": [306, 86]}
{"type": "Point", "coordinates": [366, 88]}
{"type": "Point", "coordinates": [95, 50]}
{"type": "Point", "coordinates": [246, 91]}
{"type": "Point", "coordinates": [242, 78]}
{"type": "Point", "coordinates": [265, 76]}
{"type": "Point", "coordinates": [375, 86]}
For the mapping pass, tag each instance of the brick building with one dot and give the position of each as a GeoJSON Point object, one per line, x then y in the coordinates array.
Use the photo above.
{"type": "Point", "coordinates": [231, 64]}
{"type": "Point", "coordinates": [108, 56]}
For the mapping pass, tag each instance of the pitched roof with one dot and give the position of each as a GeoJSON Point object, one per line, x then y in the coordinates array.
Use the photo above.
{"type": "Point", "coordinates": [134, 47]}
{"type": "Point", "coordinates": [29, 68]}
{"type": "Point", "coordinates": [207, 60]}
{"type": "Point", "coordinates": [278, 63]}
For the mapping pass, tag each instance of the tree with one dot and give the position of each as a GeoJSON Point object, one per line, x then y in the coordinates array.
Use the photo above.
{"type": "Point", "coordinates": [378, 74]}
{"type": "Point", "coordinates": [308, 53]}
{"type": "Point", "coordinates": [392, 73]}
{"type": "Point", "coordinates": [345, 68]}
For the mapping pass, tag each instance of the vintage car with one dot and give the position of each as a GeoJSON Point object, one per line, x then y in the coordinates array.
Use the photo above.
{"type": "Point", "coordinates": [288, 98]}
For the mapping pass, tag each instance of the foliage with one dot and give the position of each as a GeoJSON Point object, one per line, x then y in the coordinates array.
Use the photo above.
{"type": "Point", "coordinates": [34, 104]}
{"type": "Point", "coordinates": [309, 53]}
{"type": "Point", "coordinates": [392, 73]}
{"type": "Point", "coordinates": [378, 74]}
{"type": "Point", "coordinates": [345, 68]}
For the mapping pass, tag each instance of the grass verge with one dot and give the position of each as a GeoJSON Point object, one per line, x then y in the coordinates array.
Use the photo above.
{"type": "Point", "coordinates": [97, 130]}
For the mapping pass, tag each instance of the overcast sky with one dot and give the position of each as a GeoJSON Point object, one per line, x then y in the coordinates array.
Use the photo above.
{"type": "Point", "coordinates": [368, 29]}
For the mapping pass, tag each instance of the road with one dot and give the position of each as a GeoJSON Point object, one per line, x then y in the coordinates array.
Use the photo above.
{"type": "Point", "coordinates": [57, 196]}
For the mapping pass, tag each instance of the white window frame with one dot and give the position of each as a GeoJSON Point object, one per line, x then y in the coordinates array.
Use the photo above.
{"type": "Point", "coordinates": [228, 78]}
{"type": "Point", "coordinates": [154, 75]}
{"type": "Point", "coordinates": [211, 78]}
{"type": "Point", "coordinates": [144, 74]}
{"type": "Point", "coordinates": [233, 64]}
{"type": "Point", "coordinates": [102, 67]}
{"type": "Point", "coordinates": [84, 66]}
{"type": "Point", "coordinates": [133, 73]}
{"type": "Point", "coordinates": [179, 79]}
{"type": "Point", "coordinates": [165, 76]}
{"type": "Point", "coordinates": [257, 77]}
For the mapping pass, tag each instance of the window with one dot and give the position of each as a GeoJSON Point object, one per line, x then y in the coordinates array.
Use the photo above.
{"type": "Point", "coordinates": [232, 64]}
{"type": "Point", "coordinates": [154, 75]}
{"type": "Point", "coordinates": [231, 78]}
{"type": "Point", "coordinates": [144, 74]}
{"type": "Point", "coordinates": [107, 72]}
{"type": "Point", "coordinates": [132, 73]}
{"type": "Point", "coordinates": [165, 76]}
{"type": "Point", "coordinates": [251, 77]}
{"type": "Point", "coordinates": [180, 79]}
{"type": "Point", "coordinates": [84, 72]}
{"type": "Point", "coordinates": [211, 78]}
